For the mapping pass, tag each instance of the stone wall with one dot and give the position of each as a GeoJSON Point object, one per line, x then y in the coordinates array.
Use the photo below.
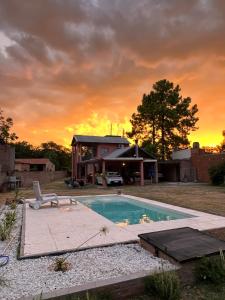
{"type": "Point", "coordinates": [27, 178]}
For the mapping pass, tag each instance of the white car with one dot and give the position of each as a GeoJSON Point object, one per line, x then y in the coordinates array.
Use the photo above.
{"type": "Point", "coordinates": [111, 178]}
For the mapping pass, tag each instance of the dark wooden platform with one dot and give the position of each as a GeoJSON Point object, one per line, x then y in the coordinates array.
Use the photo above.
{"type": "Point", "coordinates": [183, 244]}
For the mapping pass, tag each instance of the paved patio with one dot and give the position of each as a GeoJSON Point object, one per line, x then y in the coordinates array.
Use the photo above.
{"type": "Point", "coordinates": [64, 228]}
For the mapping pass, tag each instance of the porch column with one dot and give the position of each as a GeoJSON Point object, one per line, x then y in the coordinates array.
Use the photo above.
{"type": "Point", "coordinates": [74, 162]}
{"type": "Point", "coordinates": [93, 174]}
{"type": "Point", "coordinates": [156, 172]}
{"type": "Point", "coordinates": [79, 171]}
{"type": "Point", "coordinates": [142, 172]}
{"type": "Point", "coordinates": [85, 173]}
{"type": "Point", "coordinates": [103, 167]}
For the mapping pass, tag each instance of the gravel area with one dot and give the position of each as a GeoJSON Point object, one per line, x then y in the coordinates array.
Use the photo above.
{"type": "Point", "coordinates": [34, 276]}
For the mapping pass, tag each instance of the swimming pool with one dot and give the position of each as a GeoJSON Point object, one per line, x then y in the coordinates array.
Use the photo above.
{"type": "Point", "coordinates": [125, 210]}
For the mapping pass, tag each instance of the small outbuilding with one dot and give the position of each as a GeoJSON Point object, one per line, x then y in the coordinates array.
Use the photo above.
{"type": "Point", "coordinates": [34, 164]}
{"type": "Point", "coordinates": [190, 165]}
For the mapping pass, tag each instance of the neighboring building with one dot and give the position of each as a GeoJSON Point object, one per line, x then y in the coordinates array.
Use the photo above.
{"type": "Point", "coordinates": [34, 164]}
{"type": "Point", "coordinates": [98, 154]}
{"type": "Point", "coordinates": [7, 158]}
{"type": "Point", "coordinates": [190, 165]}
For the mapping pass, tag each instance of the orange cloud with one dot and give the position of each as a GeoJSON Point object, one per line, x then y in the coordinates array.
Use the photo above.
{"type": "Point", "coordinates": [71, 67]}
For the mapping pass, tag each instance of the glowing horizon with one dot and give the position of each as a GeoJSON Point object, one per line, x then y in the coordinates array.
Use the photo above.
{"type": "Point", "coordinates": [96, 125]}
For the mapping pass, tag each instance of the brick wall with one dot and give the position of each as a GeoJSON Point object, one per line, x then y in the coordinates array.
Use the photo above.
{"type": "Point", "coordinates": [27, 178]}
{"type": "Point", "coordinates": [7, 158]}
{"type": "Point", "coordinates": [203, 161]}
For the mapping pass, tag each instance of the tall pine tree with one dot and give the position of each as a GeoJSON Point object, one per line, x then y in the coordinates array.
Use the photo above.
{"type": "Point", "coordinates": [164, 119]}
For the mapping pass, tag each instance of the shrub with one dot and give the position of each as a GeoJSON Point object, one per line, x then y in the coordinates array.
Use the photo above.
{"type": "Point", "coordinates": [10, 218]}
{"type": "Point", "coordinates": [164, 285]}
{"type": "Point", "coordinates": [13, 205]}
{"type": "Point", "coordinates": [211, 270]}
{"type": "Point", "coordinates": [61, 265]}
{"type": "Point", "coordinates": [217, 174]}
{"type": "Point", "coordinates": [4, 231]}
{"type": "Point", "coordinates": [6, 225]}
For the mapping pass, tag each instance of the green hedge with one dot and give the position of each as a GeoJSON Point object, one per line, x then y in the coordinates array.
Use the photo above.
{"type": "Point", "coordinates": [217, 174]}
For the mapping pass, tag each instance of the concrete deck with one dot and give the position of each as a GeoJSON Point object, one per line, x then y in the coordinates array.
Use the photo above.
{"type": "Point", "coordinates": [64, 228]}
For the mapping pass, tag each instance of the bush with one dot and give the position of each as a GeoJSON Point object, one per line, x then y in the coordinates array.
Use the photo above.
{"type": "Point", "coordinates": [10, 218]}
{"type": "Point", "coordinates": [211, 270]}
{"type": "Point", "coordinates": [61, 265]}
{"type": "Point", "coordinates": [4, 231]}
{"type": "Point", "coordinates": [165, 285]}
{"type": "Point", "coordinates": [6, 225]}
{"type": "Point", "coordinates": [217, 174]}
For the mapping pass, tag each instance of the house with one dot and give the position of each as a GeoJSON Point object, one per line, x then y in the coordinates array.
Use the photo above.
{"type": "Point", "coordinates": [34, 164]}
{"type": "Point", "coordinates": [190, 165]}
{"type": "Point", "coordinates": [99, 154]}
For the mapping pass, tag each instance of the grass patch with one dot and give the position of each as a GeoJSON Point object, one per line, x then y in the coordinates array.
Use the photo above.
{"type": "Point", "coordinates": [164, 285]}
{"type": "Point", "coordinates": [7, 224]}
{"type": "Point", "coordinates": [211, 270]}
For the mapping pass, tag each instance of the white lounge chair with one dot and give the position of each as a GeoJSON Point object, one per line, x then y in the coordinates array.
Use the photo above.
{"type": "Point", "coordinates": [44, 198]}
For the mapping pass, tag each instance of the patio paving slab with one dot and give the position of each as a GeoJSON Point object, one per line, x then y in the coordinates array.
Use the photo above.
{"type": "Point", "coordinates": [52, 230]}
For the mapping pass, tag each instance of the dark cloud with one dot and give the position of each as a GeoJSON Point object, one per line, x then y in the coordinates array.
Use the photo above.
{"type": "Point", "coordinates": [71, 58]}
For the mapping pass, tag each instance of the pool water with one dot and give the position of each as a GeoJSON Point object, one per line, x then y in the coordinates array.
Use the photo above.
{"type": "Point", "coordinates": [127, 211]}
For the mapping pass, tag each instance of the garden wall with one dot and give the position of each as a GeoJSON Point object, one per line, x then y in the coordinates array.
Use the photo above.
{"type": "Point", "coordinates": [27, 178]}
{"type": "Point", "coordinates": [202, 163]}
{"type": "Point", "coordinates": [118, 288]}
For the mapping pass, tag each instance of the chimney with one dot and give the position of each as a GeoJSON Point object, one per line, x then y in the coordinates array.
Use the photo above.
{"type": "Point", "coordinates": [136, 148]}
{"type": "Point", "coordinates": [196, 145]}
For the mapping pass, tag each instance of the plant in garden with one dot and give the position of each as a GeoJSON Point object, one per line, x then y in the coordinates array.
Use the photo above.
{"type": "Point", "coordinates": [4, 231]}
{"type": "Point", "coordinates": [13, 204]}
{"type": "Point", "coordinates": [6, 225]}
{"type": "Point", "coordinates": [13, 201]}
{"type": "Point", "coordinates": [211, 269]}
{"type": "Point", "coordinates": [217, 174]}
{"type": "Point", "coordinates": [10, 218]}
{"type": "Point", "coordinates": [60, 264]}
{"type": "Point", "coordinates": [164, 285]}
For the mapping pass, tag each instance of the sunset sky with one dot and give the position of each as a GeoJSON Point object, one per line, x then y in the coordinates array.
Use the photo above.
{"type": "Point", "coordinates": [74, 67]}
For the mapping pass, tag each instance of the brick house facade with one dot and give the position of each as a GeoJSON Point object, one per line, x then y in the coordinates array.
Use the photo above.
{"type": "Point", "coordinates": [190, 165]}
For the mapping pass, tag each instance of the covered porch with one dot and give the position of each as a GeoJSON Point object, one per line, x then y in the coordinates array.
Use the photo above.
{"type": "Point", "coordinates": [133, 170]}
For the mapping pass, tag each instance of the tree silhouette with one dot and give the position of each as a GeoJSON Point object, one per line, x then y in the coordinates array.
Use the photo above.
{"type": "Point", "coordinates": [6, 124]}
{"type": "Point", "coordinates": [164, 119]}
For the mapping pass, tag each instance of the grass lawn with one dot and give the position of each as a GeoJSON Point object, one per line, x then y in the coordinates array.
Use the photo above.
{"type": "Point", "coordinates": [201, 197]}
